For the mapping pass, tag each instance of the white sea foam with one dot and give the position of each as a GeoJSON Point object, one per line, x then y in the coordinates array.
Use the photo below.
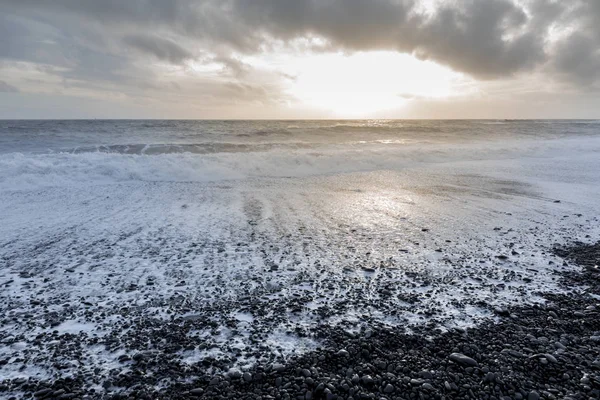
{"type": "Point", "coordinates": [28, 171]}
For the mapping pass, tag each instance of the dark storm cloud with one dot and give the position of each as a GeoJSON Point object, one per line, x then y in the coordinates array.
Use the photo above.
{"type": "Point", "coordinates": [484, 38]}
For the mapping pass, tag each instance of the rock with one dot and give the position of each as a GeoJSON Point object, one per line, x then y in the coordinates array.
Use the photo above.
{"type": "Point", "coordinates": [196, 391]}
{"type": "Point", "coordinates": [426, 375]}
{"type": "Point", "coordinates": [463, 360]}
{"type": "Point", "coordinates": [533, 396]}
{"type": "Point", "coordinates": [545, 356]}
{"type": "Point", "coordinates": [234, 373]}
{"type": "Point", "coordinates": [343, 353]}
{"type": "Point", "coordinates": [247, 377]}
{"type": "Point", "coordinates": [513, 353]}
{"type": "Point", "coordinates": [42, 392]}
{"type": "Point", "coordinates": [389, 388]}
{"type": "Point", "coordinates": [502, 311]}
{"type": "Point", "coordinates": [278, 367]}
{"type": "Point", "coordinates": [367, 380]}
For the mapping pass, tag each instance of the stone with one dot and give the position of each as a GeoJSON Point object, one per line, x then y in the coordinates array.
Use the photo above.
{"type": "Point", "coordinates": [533, 396]}
{"type": "Point", "coordinates": [463, 360]}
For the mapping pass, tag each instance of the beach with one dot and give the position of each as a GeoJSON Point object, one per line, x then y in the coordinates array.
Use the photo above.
{"type": "Point", "coordinates": [291, 259]}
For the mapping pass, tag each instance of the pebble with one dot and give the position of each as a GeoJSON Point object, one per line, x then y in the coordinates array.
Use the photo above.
{"type": "Point", "coordinates": [500, 359]}
{"type": "Point", "coordinates": [343, 353]}
{"type": "Point", "coordinates": [533, 396]}
{"type": "Point", "coordinates": [463, 360]}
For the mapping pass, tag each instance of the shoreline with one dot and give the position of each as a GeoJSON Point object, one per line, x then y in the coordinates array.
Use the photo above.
{"type": "Point", "coordinates": [180, 289]}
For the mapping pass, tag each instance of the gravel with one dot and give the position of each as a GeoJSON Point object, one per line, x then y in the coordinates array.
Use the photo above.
{"type": "Point", "coordinates": [544, 351]}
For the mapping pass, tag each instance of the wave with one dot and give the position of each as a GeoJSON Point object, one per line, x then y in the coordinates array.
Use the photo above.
{"type": "Point", "coordinates": [27, 171]}
{"type": "Point", "coordinates": [193, 148]}
{"type": "Point", "coordinates": [266, 132]}
{"type": "Point", "coordinates": [20, 171]}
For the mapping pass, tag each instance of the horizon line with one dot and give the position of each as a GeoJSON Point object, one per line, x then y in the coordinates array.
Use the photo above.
{"type": "Point", "coordinates": [299, 119]}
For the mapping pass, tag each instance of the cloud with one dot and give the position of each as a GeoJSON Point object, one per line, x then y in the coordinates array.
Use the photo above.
{"type": "Point", "coordinates": [484, 38]}
{"type": "Point", "coordinates": [578, 59]}
{"type": "Point", "coordinates": [576, 54]}
{"type": "Point", "coordinates": [6, 88]}
{"type": "Point", "coordinates": [107, 43]}
{"type": "Point", "coordinates": [163, 49]}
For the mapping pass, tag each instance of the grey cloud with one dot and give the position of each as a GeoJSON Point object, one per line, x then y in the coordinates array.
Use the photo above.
{"type": "Point", "coordinates": [163, 49]}
{"type": "Point", "coordinates": [469, 36]}
{"type": "Point", "coordinates": [577, 55]}
{"type": "Point", "coordinates": [473, 39]}
{"type": "Point", "coordinates": [487, 39]}
{"type": "Point", "coordinates": [234, 66]}
{"type": "Point", "coordinates": [6, 88]}
{"type": "Point", "coordinates": [578, 58]}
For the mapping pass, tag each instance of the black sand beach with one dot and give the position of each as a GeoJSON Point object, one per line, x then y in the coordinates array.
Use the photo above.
{"type": "Point", "coordinates": [543, 352]}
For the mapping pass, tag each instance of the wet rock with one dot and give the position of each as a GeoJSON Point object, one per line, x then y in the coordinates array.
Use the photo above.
{"type": "Point", "coordinates": [43, 392]}
{"type": "Point", "coordinates": [343, 353]}
{"type": "Point", "coordinates": [533, 396]}
{"type": "Point", "coordinates": [278, 367]}
{"type": "Point", "coordinates": [367, 380]}
{"type": "Point", "coordinates": [234, 373]}
{"type": "Point", "coordinates": [463, 360]}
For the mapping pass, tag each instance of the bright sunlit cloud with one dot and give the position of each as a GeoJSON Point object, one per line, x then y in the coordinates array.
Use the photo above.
{"type": "Point", "coordinates": [363, 83]}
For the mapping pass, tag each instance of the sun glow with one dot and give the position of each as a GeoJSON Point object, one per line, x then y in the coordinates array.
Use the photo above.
{"type": "Point", "coordinates": [365, 83]}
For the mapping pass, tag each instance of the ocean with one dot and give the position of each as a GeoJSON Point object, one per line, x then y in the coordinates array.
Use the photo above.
{"type": "Point", "coordinates": [252, 234]}
{"type": "Point", "coordinates": [72, 152]}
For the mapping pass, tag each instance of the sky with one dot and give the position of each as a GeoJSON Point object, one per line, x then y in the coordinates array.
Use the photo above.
{"type": "Point", "coordinates": [296, 59]}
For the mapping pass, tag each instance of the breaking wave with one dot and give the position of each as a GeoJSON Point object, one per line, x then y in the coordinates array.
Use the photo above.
{"type": "Point", "coordinates": [216, 162]}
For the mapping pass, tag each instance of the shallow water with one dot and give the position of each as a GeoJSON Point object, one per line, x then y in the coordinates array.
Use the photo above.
{"type": "Point", "coordinates": [67, 153]}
